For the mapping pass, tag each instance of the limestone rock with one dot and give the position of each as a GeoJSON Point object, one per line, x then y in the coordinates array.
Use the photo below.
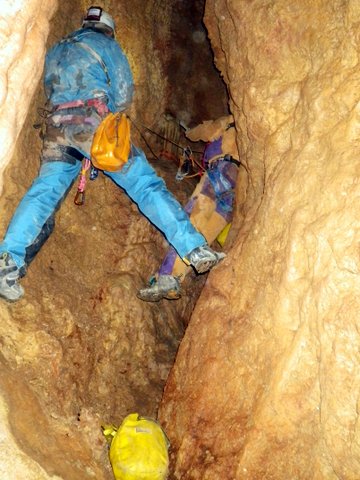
{"type": "Point", "coordinates": [266, 382]}
{"type": "Point", "coordinates": [24, 27]}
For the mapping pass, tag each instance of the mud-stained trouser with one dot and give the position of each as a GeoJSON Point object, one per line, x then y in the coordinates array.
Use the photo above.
{"type": "Point", "coordinates": [210, 209]}
{"type": "Point", "coordinates": [59, 170]}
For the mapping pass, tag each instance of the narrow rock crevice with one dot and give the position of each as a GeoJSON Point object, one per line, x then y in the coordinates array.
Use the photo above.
{"type": "Point", "coordinates": [80, 349]}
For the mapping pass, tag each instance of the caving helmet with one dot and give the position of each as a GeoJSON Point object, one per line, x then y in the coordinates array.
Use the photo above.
{"type": "Point", "coordinates": [96, 17]}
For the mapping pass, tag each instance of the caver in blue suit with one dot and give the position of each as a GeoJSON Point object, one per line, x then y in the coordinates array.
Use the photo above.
{"type": "Point", "coordinates": [86, 75]}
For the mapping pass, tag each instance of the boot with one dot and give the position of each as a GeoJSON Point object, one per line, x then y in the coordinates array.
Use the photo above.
{"type": "Point", "coordinates": [165, 286]}
{"type": "Point", "coordinates": [9, 276]}
{"type": "Point", "coordinates": [204, 258]}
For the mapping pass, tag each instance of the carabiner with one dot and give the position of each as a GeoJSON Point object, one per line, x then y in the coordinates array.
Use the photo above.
{"type": "Point", "coordinates": [79, 198]}
{"type": "Point", "coordinates": [94, 172]}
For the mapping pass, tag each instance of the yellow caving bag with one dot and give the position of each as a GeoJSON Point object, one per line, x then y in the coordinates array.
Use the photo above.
{"type": "Point", "coordinates": [111, 145]}
{"type": "Point", "coordinates": [139, 449]}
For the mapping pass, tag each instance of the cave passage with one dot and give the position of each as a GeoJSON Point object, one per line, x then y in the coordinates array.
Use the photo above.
{"type": "Point", "coordinates": [80, 349]}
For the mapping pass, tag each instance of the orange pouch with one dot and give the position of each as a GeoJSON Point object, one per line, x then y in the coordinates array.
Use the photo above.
{"type": "Point", "coordinates": [111, 145]}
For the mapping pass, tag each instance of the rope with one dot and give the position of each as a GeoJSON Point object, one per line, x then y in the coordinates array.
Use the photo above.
{"type": "Point", "coordinates": [142, 136]}
{"type": "Point", "coordinates": [185, 151]}
{"type": "Point", "coordinates": [160, 136]}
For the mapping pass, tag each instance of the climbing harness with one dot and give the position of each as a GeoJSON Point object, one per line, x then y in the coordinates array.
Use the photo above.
{"type": "Point", "coordinates": [54, 115]}
{"type": "Point", "coordinates": [100, 105]}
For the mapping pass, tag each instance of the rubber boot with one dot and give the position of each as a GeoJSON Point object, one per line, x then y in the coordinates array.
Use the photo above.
{"type": "Point", "coordinates": [165, 286]}
{"type": "Point", "coordinates": [9, 276]}
{"type": "Point", "coordinates": [204, 258]}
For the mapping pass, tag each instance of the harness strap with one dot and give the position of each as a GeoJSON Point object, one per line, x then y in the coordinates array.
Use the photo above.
{"type": "Point", "coordinates": [72, 120]}
{"type": "Point", "coordinates": [229, 158]}
{"type": "Point", "coordinates": [92, 52]}
{"type": "Point", "coordinates": [98, 58]}
{"type": "Point", "coordinates": [98, 103]}
{"type": "Point", "coordinates": [223, 158]}
{"type": "Point", "coordinates": [80, 194]}
{"type": "Point", "coordinates": [73, 152]}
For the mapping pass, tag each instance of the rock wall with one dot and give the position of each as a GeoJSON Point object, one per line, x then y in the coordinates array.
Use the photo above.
{"type": "Point", "coordinates": [24, 27]}
{"type": "Point", "coordinates": [193, 89]}
{"type": "Point", "coordinates": [266, 382]}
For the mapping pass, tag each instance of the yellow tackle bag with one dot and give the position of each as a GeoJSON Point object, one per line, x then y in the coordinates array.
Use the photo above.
{"type": "Point", "coordinates": [138, 449]}
{"type": "Point", "coordinates": [111, 145]}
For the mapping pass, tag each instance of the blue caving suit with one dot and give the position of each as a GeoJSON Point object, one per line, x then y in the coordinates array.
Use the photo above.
{"type": "Point", "coordinates": [86, 76]}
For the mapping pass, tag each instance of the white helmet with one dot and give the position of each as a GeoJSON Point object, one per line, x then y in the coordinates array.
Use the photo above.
{"type": "Point", "coordinates": [96, 16]}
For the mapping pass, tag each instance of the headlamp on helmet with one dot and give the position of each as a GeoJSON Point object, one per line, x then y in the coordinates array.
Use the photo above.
{"type": "Point", "coordinates": [96, 17]}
